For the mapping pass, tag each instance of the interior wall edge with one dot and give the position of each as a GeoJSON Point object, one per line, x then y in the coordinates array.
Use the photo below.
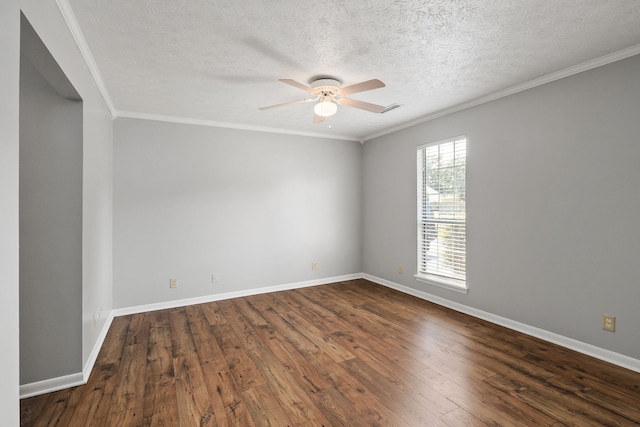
{"type": "Point", "coordinates": [9, 213]}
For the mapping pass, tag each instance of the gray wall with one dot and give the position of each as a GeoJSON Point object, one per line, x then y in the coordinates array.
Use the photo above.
{"type": "Point", "coordinates": [97, 190]}
{"type": "Point", "coordinates": [50, 230]}
{"type": "Point", "coordinates": [553, 204]}
{"type": "Point", "coordinates": [9, 154]}
{"type": "Point", "coordinates": [256, 208]}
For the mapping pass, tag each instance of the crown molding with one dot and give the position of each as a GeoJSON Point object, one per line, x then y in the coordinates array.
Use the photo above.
{"type": "Point", "coordinates": [212, 123]}
{"type": "Point", "coordinates": [74, 27]}
{"type": "Point", "coordinates": [548, 78]}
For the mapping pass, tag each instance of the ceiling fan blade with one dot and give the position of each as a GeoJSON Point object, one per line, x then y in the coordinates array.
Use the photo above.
{"type": "Point", "coordinates": [361, 87]}
{"type": "Point", "coordinates": [298, 85]}
{"type": "Point", "coordinates": [361, 105]}
{"type": "Point", "coordinates": [318, 119]}
{"type": "Point", "coordinates": [302, 101]}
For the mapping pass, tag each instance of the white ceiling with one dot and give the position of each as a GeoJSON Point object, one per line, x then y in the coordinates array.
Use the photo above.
{"type": "Point", "coordinates": [219, 60]}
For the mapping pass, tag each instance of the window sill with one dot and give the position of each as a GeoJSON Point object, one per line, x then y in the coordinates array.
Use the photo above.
{"type": "Point", "coordinates": [443, 282]}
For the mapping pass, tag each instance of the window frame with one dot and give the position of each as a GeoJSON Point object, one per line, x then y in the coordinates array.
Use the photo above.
{"type": "Point", "coordinates": [443, 281]}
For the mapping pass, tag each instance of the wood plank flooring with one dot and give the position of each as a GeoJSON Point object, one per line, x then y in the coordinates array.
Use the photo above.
{"type": "Point", "coordinates": [345, 354]}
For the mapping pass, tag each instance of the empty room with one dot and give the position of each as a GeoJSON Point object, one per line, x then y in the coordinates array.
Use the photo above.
{"type": "Point", "coordinates": [408, 213]}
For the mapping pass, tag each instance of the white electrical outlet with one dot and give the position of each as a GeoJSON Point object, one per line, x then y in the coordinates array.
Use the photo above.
{"type": "Point", "coordinates": [314, 266]}
{"type": "Point", "coordinates": [173, 283]}
{"type": "Point", "coordinates": [214, 278]}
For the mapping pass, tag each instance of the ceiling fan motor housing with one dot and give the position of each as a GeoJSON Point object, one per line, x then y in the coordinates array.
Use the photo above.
{"type": "Point", "coordinates": [326, 87]}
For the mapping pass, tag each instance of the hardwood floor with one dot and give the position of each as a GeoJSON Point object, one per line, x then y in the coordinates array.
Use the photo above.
{"type": "Point", "coordinates": [345, 354]}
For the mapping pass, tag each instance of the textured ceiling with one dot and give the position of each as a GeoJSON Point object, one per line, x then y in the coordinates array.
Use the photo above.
{"type": "Point", "coordinates": [219, 60]}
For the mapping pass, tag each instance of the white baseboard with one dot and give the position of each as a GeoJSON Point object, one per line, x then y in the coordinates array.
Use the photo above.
{"type": "Point", "coordinates": [52, 384]}
{"type": "Point", "coordinates": [579, 346]}
{"type": "Point", "coordinates": [229, 295]}
{"type": "Point", "coordinates": [93, 356]}
{"type": "Point", "coordinates": [72, 380]}
{"type": "Point", "coordinates": [80, 378]}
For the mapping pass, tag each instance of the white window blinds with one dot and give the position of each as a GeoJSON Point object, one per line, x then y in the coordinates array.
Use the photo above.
{"type": "Point", "coordinates": [441, 212]}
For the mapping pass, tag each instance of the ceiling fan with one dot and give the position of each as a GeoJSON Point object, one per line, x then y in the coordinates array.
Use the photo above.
{"type": "Point", "coordinates": [327, 90]}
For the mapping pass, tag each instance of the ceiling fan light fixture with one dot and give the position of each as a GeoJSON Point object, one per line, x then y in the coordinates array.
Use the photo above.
{"type": "Point", "coordinates": [325, 108]}
{"type": "Point", "coordinates": [330, 94]}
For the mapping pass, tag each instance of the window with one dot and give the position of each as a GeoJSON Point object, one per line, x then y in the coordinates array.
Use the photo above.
{"type": "Point", "coordinates": [442, 241]}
